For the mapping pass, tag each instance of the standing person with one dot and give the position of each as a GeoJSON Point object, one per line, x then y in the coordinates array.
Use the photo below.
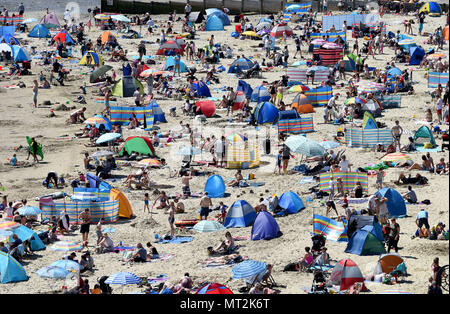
{"type": "Point", "coordinates": [98, 231]}
{"type": "Point", "coordinates": [231, 97]}
{"type": "Point", "coordinates": [205, 203]}
{"type": "Point", "coordinates": [177, 67]}
{"type": "Point", "coordinates": [267, 43]}
{"type": "Point", "coordinates": [344, 165]}
{"type": "Point", "coordinates": [85, 218]}
{"type": "Point", "coordinates": [421, 20]}
{"type": "Point", "coordinates": [146, 202]}
{"type": "Point", "coordinates": [331, 205]}
{"type": "Point", "coordinates": [34, 145]}
{"type": "Point", "coordinates": [21, 9]}
{"type": "Point", "coordinates": [397, 132]}
{"type": "Point", "coordinates": [342, 69]}
{"type": "Point", "coordinates": [380, 176]}
{"type": "Point", "coordinates": [107, 98]}
{"type": "Point", "coordinates": [278, 166]}
{"type": "Point", "coordinates": [185, 184]}
{"type": "Point", "coordinates": [35, 93]}
{"type": "Point", "coordinates": [422, 220]}
{"type": "Point", "coordinates": [394, 236]}
{"type": "Point", "coordinates": [141, 50]}
{"type": "Point", "coordinates": [172, 218]}
{"type": "Point", "coordinates": [149, 81]}
{"type": "Point", "coordinates": [286, 55]}
{"type": "Point", "coordinates": [286, 155]}
{"type": "Point", "coordinates": [439, 105]}
{"type": "Point", "coordinates": [187, 9]}
{"type": "Point", "coordinates": [219, 149]}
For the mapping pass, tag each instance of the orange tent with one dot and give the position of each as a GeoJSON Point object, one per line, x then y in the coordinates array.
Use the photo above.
{"type": "Point", "coordinates": [445, 33]}
{"type": "Point", "coordinates": [105, 36]}
{"type": "Point", "coordinates": [302, 104]}
{"type": "Point", "coordinates": [387, 263]}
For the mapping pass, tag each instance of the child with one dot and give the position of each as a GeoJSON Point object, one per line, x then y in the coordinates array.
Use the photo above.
{"type": "Point", "coordinates": [146, 201]}
{"type": "Point", "coordinates": [99, 230]}
{"type": "Point", "coordinates": [380, 175]}
{"type": "Point", "coordinates": [223, 213]}
{"type": "Point", "coordinates": [278, 163]}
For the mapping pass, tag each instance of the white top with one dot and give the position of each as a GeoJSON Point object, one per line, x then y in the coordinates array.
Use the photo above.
{"type": "Point", "coordinates": [344, 165]}
{"type": "Point", "coordinates": [136, 95]}
{"type": "Point", "coordinates": [218, 147]}
{"type": "Point", "coordinates": [332, 102]}
{"type": "Point", "coordinates": [439, 104]}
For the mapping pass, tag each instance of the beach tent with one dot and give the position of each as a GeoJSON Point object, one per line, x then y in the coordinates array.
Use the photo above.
{"type": "Point", "coordinates": [395, 203]}
{"type": "Point", "coordinates": [138, 144]}
{"type": "Point", "coordinates": [364, 242]}
{"type": "Point", "coordinates": [302, 104]}
{"type": "Point", "coordinates": [260, 94]}
{"type": "Point", "coordinates": [240, 64]}
{"type": "Point", "coordinates": [39, 31]}
{"type": "Point", "coordinates": [265, 227]}
{"type": "Point", "coordinates": [19, 54]}
{"type": "Point", "coordinates": [8, 37]}
{"type": "Point", "coordinates": [196, 17]}
{"type": "Point", "coordinates": [64, 37]}
{"type": "Point", "coordinates": [245, 88]}
{"type": "Point", "coordinates": [214, 288]}
{"type": "Point", "coordinates": [170, 65]}
{"type": "Point", "coordinates": [345, 274]}
{"type": "Point", "coordinates": [280, 29]}
{"type": "Point", "coordinates": [241, 153]}
{"type": "Point", "coordinates": [265, 113]}
{"type": "Point", "coordinates": [387, 263]}
{"type": "Point", "coordinates": [202, 89]}
{"type": "Point", "coordinates": [424, 135]}
{"type": "Point", "coordinates": [169, 45]}
{"type": "Point", "coordinates": [372, 106]}
{"type": "Point", "coordinates": [24, 234]}
{"type": "Point", "coordinates": [240, 214]}
{"type": "Point", "coordinates": [214, 23]}
{"type": "Point", "coordinates": [291, 202]}
{"type": "Point", "coordinates": [126, 87]}
{"type": "Point", "coordinates": [417, 54]}
{"type": "Point", "coordinates": [207, 107]}
{"type": "Point", "coordinates": [158, 114]}
{"type": "Point", "coordinates": [105, 36]}
{"type": "Point", "coordinates": [393, 72]}
{"type": "Point", "coordinates": [10, 269]}
{"type": "Point", "coordinates": [125, 209]}
{"type": "Point", "coordinates": [350, 64]}
{"type": "Point", "coordinates": [358, 222]}
{"type": "Point", "coordinates": [50, 21]}
{"type": "Point", "coordinates": [239, 100]}
{"type": "Point", "coordinates": [222, 16]}
{"type": "Point", "coordinates": [215, 186]}
{"type": "Point", "coordinates": [369, 122]}
{"type": "Point", "coordinates": [96, 182]}
{"type": "Point", "coordinates": [431, 8]}
{"type": "Point", "coordinates": [95, 58]}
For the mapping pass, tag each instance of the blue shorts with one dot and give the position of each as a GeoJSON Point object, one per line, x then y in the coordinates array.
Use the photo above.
{"type": "Point", "coordinates": [204, 211]}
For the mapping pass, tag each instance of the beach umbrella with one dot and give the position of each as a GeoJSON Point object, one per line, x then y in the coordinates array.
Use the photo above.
{"type": "Point", "coordinates": [189, 151]}
{"type": "Point", "coordinates": [123, 278]}
{"type": "Point", "coordinates": [95, 120]}
{"type": "Point", "coordinates": [305, 146]}
{"type": "Point", "coordinates": [294, 7]}
{"type": "Point", "coordinates": [53, 272]}
{"type": "Point", "coordinates": [435, 56]}
{"type": "Point", "coordinates": [149, 162]}
{"type": "Point", "coordinates": [263, 32]}
{"type": "Point", "coordinates": [66, 264]}
{"type": "Point", "coordinates": [120, 18]}
{"type": "Point", "coordinates": [370, 87]}
{"type": "Point", "coordinates": [248, 269]}
{"type": "Point", "coordinates": [329, 144]}
{"type": "Point", "coordinates": [355, 100]}
{"type": "Point", "coordinates": [236, 137]}
{"type": "Point", "coordinates": [30, 20]}
{"type": "Point", "coordinates": [102, 17]}
{"type": "Point", "coordinates": [407, 42]}
{"type": "Point", "coordinates": [331, 46]}
{"type": "Point", "coordinates": [250, 34]}
{"type": "Point", "coordinates": [107, 137]}
{"type": "Point", "coordinates": [8, 225]}
{"type": "Point", "coordinates": [153, 72]}
{"type": "Point", "coordinates": [101, 153]}
{"type": "Point", "coordinates": [298, 88]}
{"type": "Point", "coordinates": [395, 157]}
{"type": "Point", "coordinates": [99, 72]}
{"type": "Point", "coordinates": [264, 25]}
{"type": "Point", "coordinates": [29, 211]}
{"type": "Point", "coordinates": [66, 246]}
{"type": "Point", "coordinates": [318, 41]}
{"type": "Point", "coordinates": [208, 226]}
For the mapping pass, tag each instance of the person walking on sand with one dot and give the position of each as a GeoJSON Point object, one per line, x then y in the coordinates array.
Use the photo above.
{"type": "Point", "coordinates": [394, 236]}
{"type": "Point", "coordinates": [205, 203]}
{"type": "Point", "coordinates": [35, 93]}
{"type": "Point", "coordinates": [172, 219]}
{"type": "Point", "coordinates": [185, 184]}
{"type": "Point", "coordinates": [397, 132]}
{"type": "Point", "coordinates": [85, 218]}
{"type": "Point", "coordinates": [146, 202]}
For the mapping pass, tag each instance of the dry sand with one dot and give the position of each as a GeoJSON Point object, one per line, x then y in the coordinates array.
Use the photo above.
{"type": "Point", "coordinates": [18, 119]}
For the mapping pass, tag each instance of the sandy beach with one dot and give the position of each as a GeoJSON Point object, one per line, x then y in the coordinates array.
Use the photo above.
{"type": "Point", "coordinates": [65, 156]}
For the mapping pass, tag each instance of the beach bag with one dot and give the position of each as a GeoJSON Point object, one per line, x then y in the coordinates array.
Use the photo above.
{"type": "Point", "coordinates": [243, 184]}
{"type": "Point", "coordinates": [428, 145]}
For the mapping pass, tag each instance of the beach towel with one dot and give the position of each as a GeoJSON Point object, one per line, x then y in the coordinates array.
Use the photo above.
{"type": "Point", "coordinates": [160, 278]}
{"type": "Point", "coordinates": [424, 150]}
{"type": "Point", "coordinates": [124, 248]}
{"type": "Point", "coordinates": [322, 267]}
{"type": "Point", "coordinates": [241, 238]}
{"type": "Point", "coordinates": [177, 240]}
{"type": "Point", "coordinates": [256, 184]}
{"type": "Point", "coordinates": [353, 201]}
{"type": "Point", "coordinates": [162, 257]}
{"type": "Point", "coordinates": [305, 180]}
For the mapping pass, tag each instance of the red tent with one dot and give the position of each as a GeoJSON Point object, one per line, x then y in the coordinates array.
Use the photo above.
{"type": "Point", "coordinates": [214, 288]}
{"type": "Point", "coordinates": [345, 274]}
{"type": "Point", "coordinates": [170, 45]}
{"type": "Point", "coordinates": [207, 107]}
{"type": "Point", "coordinates": [239, 101]}
{"type": "Point", "coordinates": [278, 30]}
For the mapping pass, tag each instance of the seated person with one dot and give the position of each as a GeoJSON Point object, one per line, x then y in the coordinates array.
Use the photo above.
{"type": "Point", "coordinates": [152, 252]}
{"type": "Point", "coordinates": [105, 244]}
{"type": "Point", "coordinates": [410, 146]}
{"type": "Point", "coordinates": [418, 179]}
{"type": "Point", "coordinates": [238, 177]}
{"type": "Point", "coordinates": [140, 254]}
{"type": "Point", "coordinates": [306, 260]}
{"type": "Point", "coordinates": [227, 246]}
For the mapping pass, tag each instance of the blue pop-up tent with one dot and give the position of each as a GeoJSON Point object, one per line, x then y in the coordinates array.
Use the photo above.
{"type": "Point", "coordinates": [265, 113]}
{"type": "Point", "coordinates": [291, 202]}
{"type": "Point", "coordinates": [215, 186]}
{"type": "Point", "coordinates": [8, 37]}
{"type": "Point", "coordinates": [39, 31]}
{"type": "Point", "coordinates": [214, 23]}
{"type": "Point", "coordinates": [202, 89]}
{"type": "Point", "coordinates": [157, 112]}
{"type": "Point", "coordinates": [265, 227]}
{"type": "Point", "coordinates": [222, 16]}
{"type": "Point", "coordinates": [240, 64]}
{"type": "Point", "coordinates": [365, 242]}
{"type": "Point", "coordinates": [19, 54]}
{"type": "Point", "coordinates": [240, 214]}
{"type": "Point", "coordinates": [24, 234]}
{"type": "Point", "coordinates": [260, 94]}
{"type": "Point", "coordinates": [170, 65]}
{"type": "Point", "coordinates": [245, 88]}
{"type": "Point", "coordinates": [10, 269]}
{"type": "Point", "coordinates": [417, 54]}
{"type": "Point", "coordinates": [395, 203]}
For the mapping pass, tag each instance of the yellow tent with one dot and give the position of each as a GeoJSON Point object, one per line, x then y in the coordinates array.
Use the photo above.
{"type": "Point", "coordinates": [242, 154]}
{"type": "Point", "coordinates": [95, 58]}
{"type": "Point", "coordinates": [125, 210]}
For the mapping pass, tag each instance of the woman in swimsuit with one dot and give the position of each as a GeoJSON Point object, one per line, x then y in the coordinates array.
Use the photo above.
{"type": "Point", "coordinates": [425, 166]}
{"type": "Point", "coordinates": [162, 201]}
{"type": "Point", "coordinates": [172, 218]}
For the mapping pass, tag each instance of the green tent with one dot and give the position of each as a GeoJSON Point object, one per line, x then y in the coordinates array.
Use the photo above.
{"type": "Point", "coordinates": [139, 145]}
{"type": "Point", "coordinates": [364, 242]}
{"type": "Point", "coordinates": [424, 135]}
{"type": "Point", "coordinates": [126, 87]}
{"type": "Point", "coordinates": [369, 122]}
{"type": "Point", "coordinates": [39, 148]}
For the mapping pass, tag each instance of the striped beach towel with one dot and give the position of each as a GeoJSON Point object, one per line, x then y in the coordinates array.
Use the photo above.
{"type": "Point", "coordinates": [349, 180]}
{"type": "Point", "coordinates": [333, 230]}
{"type": "Point", "coordinates": [368, 137]}
{"type": "Point", "coordinates": [108, 210]}
{"type": "Point", "coordinates": [299, 75]}
{"type": "Point", "coordinates": [295, 126]}
{"type": "Point", "coordinates": [436, 78]}
{"type": "Point", "coordinates": [319, 96]}
{"type": "Point", "coordinates": [329, 56]}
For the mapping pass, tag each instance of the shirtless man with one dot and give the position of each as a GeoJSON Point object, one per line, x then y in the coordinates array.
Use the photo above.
{"type": "Point", "coordinates": [77, 116]}
{"type": "Point", "coordinates": [397, 132]}
{"type": "Point", "coordinates": [85, 218]}
{"type": "Point", "coordinates": [185, 184]}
